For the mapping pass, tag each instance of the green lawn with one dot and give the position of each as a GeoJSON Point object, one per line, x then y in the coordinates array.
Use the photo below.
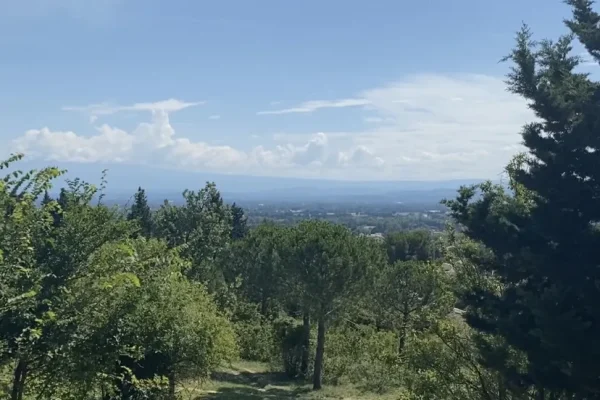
{"type": "Point", "coordinates": [253, 381]}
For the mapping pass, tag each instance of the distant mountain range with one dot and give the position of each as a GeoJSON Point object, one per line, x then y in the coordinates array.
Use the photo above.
{"type": "Point", "coordinates": [160, 184]}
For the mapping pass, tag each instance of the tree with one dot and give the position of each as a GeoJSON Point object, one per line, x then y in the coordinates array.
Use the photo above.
{"type": "Point", "coordinates": [201, 229]}
{"type": "Point", "coordinates": [239, 223]}
{"type": "Point", "coordinates": [140, 212]}
{"type": "Point", "coordinates": [47, 199]}
{"type": "Point", "coordinates": [331, 265]}
{"type": "Point", "coordinates": [261, 265]}
{"type": "Point", "coordinates": [411, 245]}
{"type": "Point", "coordinates": [543, 237]}
{"type": "Point", "coordinates": [22, 313]}
{"type": "Point", "coordinates": [146, 321]}
{"type": "Point", "coordinates": [411, 295]}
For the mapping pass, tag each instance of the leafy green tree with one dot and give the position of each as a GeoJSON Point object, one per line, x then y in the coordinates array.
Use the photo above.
{"type": "Point", "coordinates": [22, 314]}
{"type": "Point", "coordinates": [543, 238]}
{"type": "Point", "coordinates": [331, 265]}
{"type": "Point", "coordinates": [140, 212]}
{"type": "Point", "coordinates": [418, 245]}
{"type": "Point", "coordinates": [201, 229]}
{"type": "Point", "coordinates": [142, 325]}
{"type": "Point", "coordinates": [412, 295]}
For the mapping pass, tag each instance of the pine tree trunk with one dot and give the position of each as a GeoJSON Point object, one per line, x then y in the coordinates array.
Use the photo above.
{"type": "Point", "coordinates": [402, 333]}
{"type": "Point", "coordinates": [23, 378]}
{"type": "Point", "coordinates": [541, 393]}
{"type": "Point", "coordinates": [305, 344]}
{"type": "Point", "coordinates": [172, 386]}
{"type": "Point", "coordinates": [264, 305]}
{"type": "Point", "coordinates": [318, 372]}
{"type": "Point", "coordinates": [18, 384]}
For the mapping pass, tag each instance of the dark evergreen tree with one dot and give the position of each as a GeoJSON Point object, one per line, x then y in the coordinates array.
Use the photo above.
{"type": "Point", "coordinates": [63, 198]}
{"type": "Point", "coordinates": [140, 211]}
{"type": "Point", "coordinates": [239, 224]}
{"type": "Point", "coordinates": [543, 237]}
{"type": "Point", "coordinates": [46, 199]}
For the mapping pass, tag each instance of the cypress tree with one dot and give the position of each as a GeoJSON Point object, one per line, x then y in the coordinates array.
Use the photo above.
{"type": "Point", "coordinates": [543, 236]}
{"type": "Point", "coordinates": [140, 211]}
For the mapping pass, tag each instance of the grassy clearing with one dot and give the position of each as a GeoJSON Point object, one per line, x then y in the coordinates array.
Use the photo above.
{"type": "Point", "coordinates": [253, 381]}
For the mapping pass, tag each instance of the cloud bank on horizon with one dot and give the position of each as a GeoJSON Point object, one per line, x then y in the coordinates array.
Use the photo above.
{"type": "Point", "coordinates": [427, 126]}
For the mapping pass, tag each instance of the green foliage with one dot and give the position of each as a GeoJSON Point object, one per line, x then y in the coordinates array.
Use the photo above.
{"type": "Point", "coordinates": [329, 267]}
{"type": "Point", "coordinates": [140, 307]}
{"type": "Point", "coordinates": [259, 265]}
{"type": "Point", "coordinates": [410, 296]}
{"type": "Point", "coordinates": [418, 245]}
{"type": "Point", "coordinates": [330, 264]}
{"type": "Point", "coordinates": [201, 229]}
{"type": "Point", "coordinates": [239, 228]}
{"type": "Point", "coordinates": [361, 355]}
{"type": "Point", "coordinates": [23, 314]}
{"type": "Point", "coordinates": [141, 213]}
{"type": "Point", "coordinates": [254, 333]}
{"type": "Point", "coordinates": [542, 240]}
{"type": "Point", "coordinates": [289, 336]}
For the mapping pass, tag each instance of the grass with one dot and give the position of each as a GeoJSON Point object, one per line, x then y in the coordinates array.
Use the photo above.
{"type": "Point", "coordinates": [253, 381]}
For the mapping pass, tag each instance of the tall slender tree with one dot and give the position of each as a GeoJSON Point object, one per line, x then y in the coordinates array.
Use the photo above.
{"type": "Point", "coordinates": [140, 212]}
{"type": "Point", "coordinates": [239, 225]}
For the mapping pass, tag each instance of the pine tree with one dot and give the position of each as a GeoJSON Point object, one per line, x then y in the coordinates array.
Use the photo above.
{"type": "Point", "coordinates": [140, 211]}
{"type": "Point", "coordinates": [543, 237]}
{"type": "Point", "coordinates": [239, 226]}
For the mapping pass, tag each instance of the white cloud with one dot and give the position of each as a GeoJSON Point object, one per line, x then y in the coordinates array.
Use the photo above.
{"type": "Point", "coordinates": [156, 142]}
{"type": "Point", "coordinates": [429, 126]}
{"type": "Point", "coordinates": [314, 105]}
{"type": "Point", "coordinates": [462, 126]}
{"type": "Point", "coordinates": [361, 157]}
{"type": "Point", "coordinates": [170, 105]}
{"type": "Point", "coordinates": [109, 145]}
{"type": "Point", "coordinates": [425, 126]}
{"type": "Point", "coordinates": [214, 117]}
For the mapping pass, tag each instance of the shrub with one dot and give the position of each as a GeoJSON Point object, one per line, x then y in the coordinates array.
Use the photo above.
{"type": "Point", "coordinates": [255, 340]}
{"type": "Point", "coordinates": [364, 356]}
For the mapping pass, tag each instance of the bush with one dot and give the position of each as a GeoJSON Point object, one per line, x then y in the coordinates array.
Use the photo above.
{"type": "Point", "coordinates": [363, 356]}
{"type": "Point", "coordinates": [255, 340]}
{"type": "Point", "coordinates": [289, 338]}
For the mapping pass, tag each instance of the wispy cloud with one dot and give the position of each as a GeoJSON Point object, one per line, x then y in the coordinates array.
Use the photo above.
{"type": "Point", "coordinates": [314, 105]}
{"type": "Point", "coordinates": [170, 105]}
{"type": "Point", "coordinates": [379, 120]}
{"type": "Point", "coordinates": [587, 60]}
{"type": "Point", "coordinates": [214, 117]}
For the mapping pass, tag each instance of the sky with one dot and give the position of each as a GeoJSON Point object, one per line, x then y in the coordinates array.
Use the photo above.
{"type": "Point", "coordinates": [336, 89]}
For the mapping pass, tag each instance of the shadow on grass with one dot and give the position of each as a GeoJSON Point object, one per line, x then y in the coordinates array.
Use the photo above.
{"type": "Point", "coordinates": [254, 379]}
{"type": "Point", "coordinates": [252, 393]}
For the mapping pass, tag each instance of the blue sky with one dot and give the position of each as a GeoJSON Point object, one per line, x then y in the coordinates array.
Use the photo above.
{"type": "Point", "coordinates": [386, 89]}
